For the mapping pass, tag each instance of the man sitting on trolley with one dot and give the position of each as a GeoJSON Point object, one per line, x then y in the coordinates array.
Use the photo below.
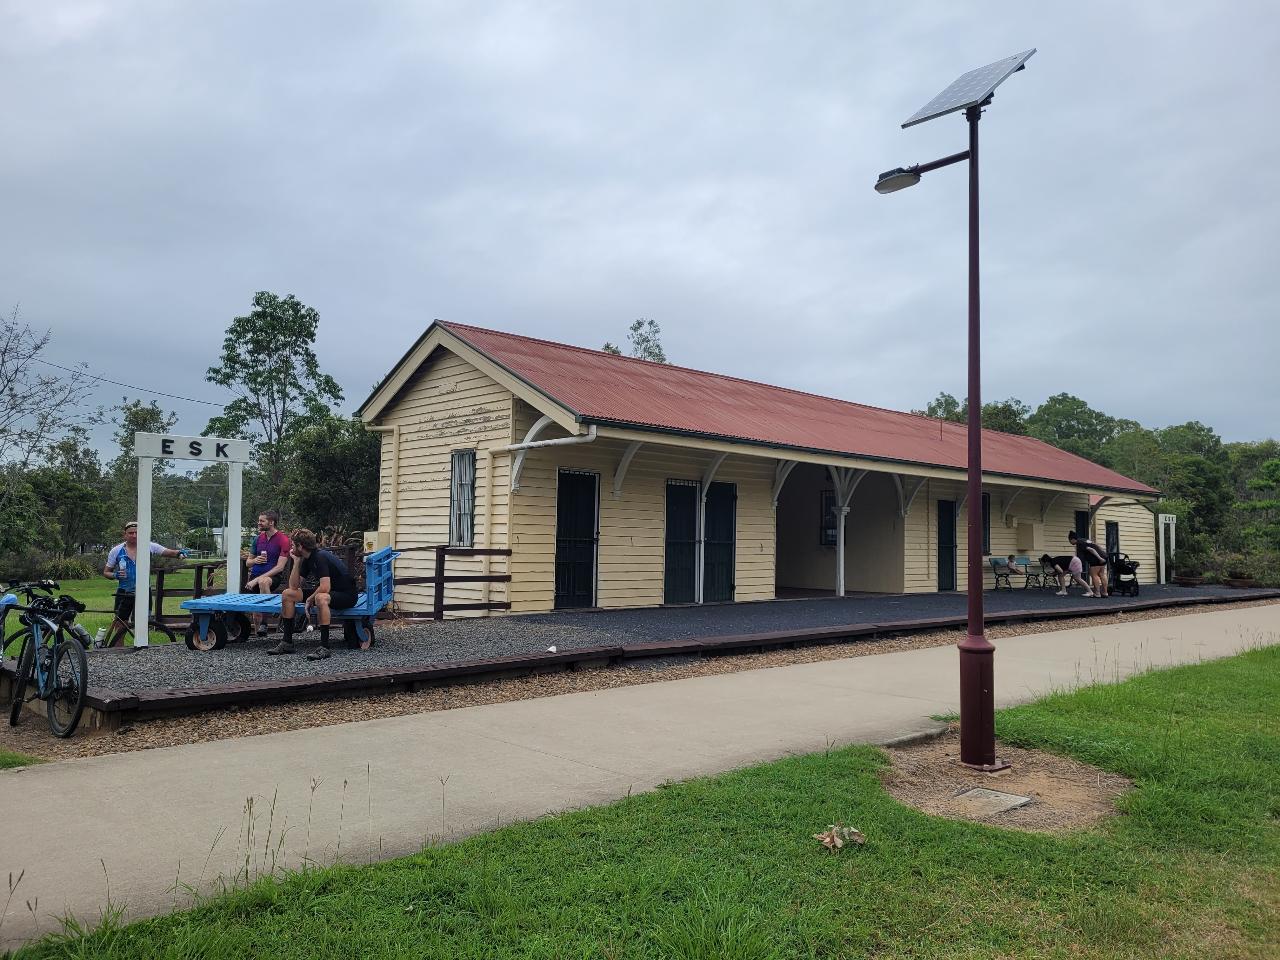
{"type": "Point", "coordinates": [335, 589]}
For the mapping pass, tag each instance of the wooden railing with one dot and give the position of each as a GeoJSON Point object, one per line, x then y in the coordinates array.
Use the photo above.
{"type": "Point", "coordinates": [202, 573]}
{"type": "Point", "coordinates": [440, 579]}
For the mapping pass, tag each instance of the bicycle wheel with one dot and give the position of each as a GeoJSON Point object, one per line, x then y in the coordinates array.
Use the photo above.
{"type": "Point", "coordinates": [166, 631]}
{"type": "Point", "coordinates": [26, 659]}
{"type": "Point", "coordinates": [68, 684]}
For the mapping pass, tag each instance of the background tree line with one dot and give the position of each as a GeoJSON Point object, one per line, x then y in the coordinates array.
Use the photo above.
{"type": "Point", "coordinates": [1226, 495]}
{"type": "Point", "coordinates": [60, 503]}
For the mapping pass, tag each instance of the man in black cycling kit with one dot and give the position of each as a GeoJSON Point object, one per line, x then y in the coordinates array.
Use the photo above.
{"type": "Point", "coordinates": [335, 589]}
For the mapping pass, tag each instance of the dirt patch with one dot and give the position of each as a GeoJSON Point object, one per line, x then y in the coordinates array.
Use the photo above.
{"type": "Point", "coordinates": [33, 739]}
{"type": "Point", "coordinates": [1065, 794]}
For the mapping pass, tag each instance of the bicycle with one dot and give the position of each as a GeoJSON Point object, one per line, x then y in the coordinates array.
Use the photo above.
{"type": "Point", "coordinates": [39, 591]}
{"type": "Point", "coordinates": [51, 656]}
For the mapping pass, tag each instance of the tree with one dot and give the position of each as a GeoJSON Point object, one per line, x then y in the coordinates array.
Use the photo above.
{"type": "Point", "coordinates": [36, 408]}
{"type": "Point", "coordinates": [333, 478]}
{"type": "Point", "coordinates": [71, 488]}
{"type": "Point", "coordinates": [645, 337]}
{"type": "Point", "coordinates": [130, 417]}
{"type": "Point", "coordinates": [1070, 424]}
{"type": "Point", "coordinates": [945, 407]}
{"type": "Point", "coordinates": [1007, 416]}
{"type": "Point", "coordinates": [268, 359]}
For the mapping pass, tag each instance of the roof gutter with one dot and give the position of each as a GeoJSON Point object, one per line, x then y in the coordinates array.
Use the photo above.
{"type": "Point", "coordinates": [521, 449]}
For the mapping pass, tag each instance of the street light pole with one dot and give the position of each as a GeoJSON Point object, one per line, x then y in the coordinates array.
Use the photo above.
{"type": "Point", "coordinates": [970, 93]}
{"type": "Point", "coordinates": [977, 655]}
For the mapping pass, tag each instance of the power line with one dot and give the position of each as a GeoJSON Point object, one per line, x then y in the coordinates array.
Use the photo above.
{"type": "Point", "coordinates": [129, 386]}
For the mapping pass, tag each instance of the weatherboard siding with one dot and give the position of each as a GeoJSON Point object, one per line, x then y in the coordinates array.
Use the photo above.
{"type": "Point", "coordinates": [632, 548]}
{"type": "Point", "coordinates": [447, 405]}
{"type": "Point", "coordinates": [1137, 535]}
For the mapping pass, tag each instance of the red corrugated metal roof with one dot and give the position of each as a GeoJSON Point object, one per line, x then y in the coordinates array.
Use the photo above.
{"type": "Point", "coordinates": [599, 386]}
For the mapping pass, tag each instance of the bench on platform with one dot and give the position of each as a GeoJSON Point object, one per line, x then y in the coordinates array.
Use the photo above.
{"type": "Point", "coordinates": [214, 619]}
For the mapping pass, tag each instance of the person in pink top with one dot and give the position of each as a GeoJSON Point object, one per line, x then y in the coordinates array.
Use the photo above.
{"type": "Point", "coordinates": [268, 561]}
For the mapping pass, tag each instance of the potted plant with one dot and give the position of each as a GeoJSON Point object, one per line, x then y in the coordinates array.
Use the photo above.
{"type": "Point", "coordinates": [1191, 563]}
{"type": "Point", "coordinates": [1237, 571]}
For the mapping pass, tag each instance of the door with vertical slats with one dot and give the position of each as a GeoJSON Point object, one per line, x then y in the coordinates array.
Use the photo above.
{"type": "Point", "coordinates": [681, 542]}
{"type": "Point", "coordinates": [576, 539]}
{"type": "Point", "coordinates": [946, 544]}
{"type": "Point", "coordinates": [719, 542]}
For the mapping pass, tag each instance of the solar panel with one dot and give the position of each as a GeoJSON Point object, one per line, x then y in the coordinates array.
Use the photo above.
{"type": "Point", "coordinates": [971, 88]}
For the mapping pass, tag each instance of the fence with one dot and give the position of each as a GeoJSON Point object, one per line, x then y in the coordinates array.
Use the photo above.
{"type": "Point", "coordinates": [440, 579]}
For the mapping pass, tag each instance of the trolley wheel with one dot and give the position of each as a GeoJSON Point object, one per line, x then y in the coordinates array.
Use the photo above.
{"type": "Point", "coordinates": [26, 660]}
{"type": "Point", "coordinates": [215, 637]}
{"type": "Point", "coordinates": [352, 636]}
{"type": "Point", "coordinates": [239, 627]}
{"type": "Point", "coordinates": [70, 682]}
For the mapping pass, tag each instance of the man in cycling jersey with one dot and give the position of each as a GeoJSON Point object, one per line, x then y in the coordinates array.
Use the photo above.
{"type": "Point", "coordinates": [122, 566]}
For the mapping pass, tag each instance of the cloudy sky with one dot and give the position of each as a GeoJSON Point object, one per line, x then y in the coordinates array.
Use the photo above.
{"type": "Point", "coordinates": [559, 169]}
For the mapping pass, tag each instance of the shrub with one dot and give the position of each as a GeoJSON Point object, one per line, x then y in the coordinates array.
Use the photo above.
{"type": "Point", "coordinates": [67, 568]}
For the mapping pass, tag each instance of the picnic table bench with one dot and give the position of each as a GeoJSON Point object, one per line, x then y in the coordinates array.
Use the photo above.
{"type": "Point", "coordinates": [214, 619]}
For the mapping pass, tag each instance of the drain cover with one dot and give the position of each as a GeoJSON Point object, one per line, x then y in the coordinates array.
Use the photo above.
{"type": "Point", "coordinates": [983, 802]}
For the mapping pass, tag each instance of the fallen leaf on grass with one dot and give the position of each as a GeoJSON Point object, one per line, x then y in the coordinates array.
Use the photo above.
{"type": "Point", "coordinates": [837, 835]}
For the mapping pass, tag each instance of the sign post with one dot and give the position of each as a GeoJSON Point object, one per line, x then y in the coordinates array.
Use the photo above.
{"type": "Point", "coordinates": [1167, 521]}
{"type": "Point", "coordinates": [150, 447]}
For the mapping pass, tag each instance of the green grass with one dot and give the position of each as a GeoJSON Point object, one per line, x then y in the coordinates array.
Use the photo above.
{"type": "Point", "coordinates": [726, 867]}
{"type": "Point", "coordinates": [10, 759]}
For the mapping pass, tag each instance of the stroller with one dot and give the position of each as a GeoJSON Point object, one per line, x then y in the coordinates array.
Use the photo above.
{"type": "Point", "coordinates": [1124, 574]}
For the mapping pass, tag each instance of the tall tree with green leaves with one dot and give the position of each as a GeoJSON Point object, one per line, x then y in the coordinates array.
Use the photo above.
{"type": "Point", "coordinates": [1070, 424]}
{"type": "Point", "coordinates": [269, 361]}
{"type": "Point", "coordinates": [131, 417]}
{"type": "Point", "coordinates": [73, 492]}
{"type": "Point", "coordinates": [333, 478]}
{"type": "Point", "coordinates": [645, 337]}
{"type": "Point", "coordinates": [1007, 416]}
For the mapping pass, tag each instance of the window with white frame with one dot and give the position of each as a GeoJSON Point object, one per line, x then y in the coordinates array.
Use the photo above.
{"type": "Point", "coordinates": [462, 499]}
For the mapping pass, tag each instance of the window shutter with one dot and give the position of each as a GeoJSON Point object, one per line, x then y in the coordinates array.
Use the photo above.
{"type": "Point", "coordinates": [462, 498]}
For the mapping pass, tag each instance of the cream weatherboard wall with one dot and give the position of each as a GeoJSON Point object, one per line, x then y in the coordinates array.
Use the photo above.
{"type": "Point", "coordinates": [631, 557]}
{"type": "Point", "coordinates": [1137, 534]}
{"type": "Point", "coordinates": [873, 534]}
{"type": "Point", "coordinates": [1041, 532]}
{"type": "Point", "coordinates": [447, 405]}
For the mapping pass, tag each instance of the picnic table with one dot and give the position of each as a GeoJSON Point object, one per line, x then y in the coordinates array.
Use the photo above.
{"type": "Point", "coordinates": [215, 619]}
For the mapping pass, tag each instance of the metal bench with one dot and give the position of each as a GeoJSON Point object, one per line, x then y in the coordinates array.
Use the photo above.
{"type": "Point", "coordinates": [1000, 570]}
{"type": "Point", "coordinates": [215, 618]}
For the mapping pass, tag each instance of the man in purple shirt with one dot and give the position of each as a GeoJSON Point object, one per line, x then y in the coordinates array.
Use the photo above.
{"type": "Point", "coordinates": [268, 560]}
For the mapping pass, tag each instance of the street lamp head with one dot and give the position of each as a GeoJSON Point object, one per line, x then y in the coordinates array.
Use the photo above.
{"type": "Point", "coordinates": [896, 179]}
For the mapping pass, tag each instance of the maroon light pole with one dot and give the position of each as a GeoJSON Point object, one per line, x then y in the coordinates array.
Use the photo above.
{"type": "Point", "coordinates": [970, 93]}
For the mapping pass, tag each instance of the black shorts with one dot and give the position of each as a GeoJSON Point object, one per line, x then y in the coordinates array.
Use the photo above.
{"type": "Point", "coordinates": [338, 599]}
{"type": "Point", "coordinates": [277, 581]}
{"type": "Point", "coordinates": [124, 605]}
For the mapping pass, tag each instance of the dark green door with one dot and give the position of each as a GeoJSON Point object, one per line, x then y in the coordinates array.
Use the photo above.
{"type": "Point", "coordinates": [719, 542]}
{"type": "Point", "coordinates": [946, 544]}
{"type": "Point", "coordinates": [1082, 524]}
{"type": "Point", "coordinates": [576, 540]}
{"type": "Point", "coordinates": [682, 541]}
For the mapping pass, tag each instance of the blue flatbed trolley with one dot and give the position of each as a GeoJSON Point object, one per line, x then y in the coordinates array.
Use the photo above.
{"type": "Point", "coordinates": [214, 618]}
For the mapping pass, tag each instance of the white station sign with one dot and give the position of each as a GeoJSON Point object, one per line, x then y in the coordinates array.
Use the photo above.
{"type": "Point", "coordinates": [164, 446]}
{"type": "Point", "coordinates": [150, 447]}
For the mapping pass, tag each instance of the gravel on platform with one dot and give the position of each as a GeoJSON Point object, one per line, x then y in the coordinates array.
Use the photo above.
{"type": "Point", "coordinates": [32, 736]}
{"type": "Point", "coordinates": [419, 643]}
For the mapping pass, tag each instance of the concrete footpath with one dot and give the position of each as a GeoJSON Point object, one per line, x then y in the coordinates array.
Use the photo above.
{"type": "Point", "coordinates": [166, 821]}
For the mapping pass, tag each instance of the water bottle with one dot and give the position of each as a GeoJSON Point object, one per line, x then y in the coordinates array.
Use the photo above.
{"type": "Point", "coordinates": [100, 638]}
{"type": "Point", "coordinates": [122, 568]}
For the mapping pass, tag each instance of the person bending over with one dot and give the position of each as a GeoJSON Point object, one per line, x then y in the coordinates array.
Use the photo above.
{"type": "Point", "coordinates": [1095, 560]}
{"type": "Point", "coordinates": [1067, 570]}
{"type": "Point", "coordinates": [335, 590]}
{"type": "Point", "coordinates": [122, 567]}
